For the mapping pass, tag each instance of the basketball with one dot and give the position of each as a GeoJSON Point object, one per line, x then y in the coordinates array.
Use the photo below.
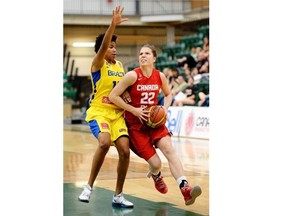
{"type": "Point", "coordinates": [157, 116]}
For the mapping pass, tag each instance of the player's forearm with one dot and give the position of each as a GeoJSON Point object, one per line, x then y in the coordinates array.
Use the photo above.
{"type": "Point", "coordinates": [108, 35]}
{"type": "Point", "coordinates": [118, 101]}
{"type": "Point", "coordinates": [167, 101]}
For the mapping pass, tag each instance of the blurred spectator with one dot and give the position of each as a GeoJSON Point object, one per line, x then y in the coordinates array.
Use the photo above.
{"type": "Point", "coordinates": [169, 75]}
{"type": "Point", "coordinates": [205, 66]}
{"type": "Point", "coordinates": [188, 94]}
{"type": "Point", "coordinates": [179, 85]}
{"type": "Point", "coordinates": [195, 55]}
{"type": "Point", "coordinates": [188, 59]}
{"type": "Point", "coordinates": [203, 57]}
{"type": "Point", "coordinates": [175, 73]}
{"type": "Point", "coordinates": [187, 71]}
{"type": "Point", "coordinates": [202, 60]}
{"type": "Point", "coordinates": [205, 43]}
{"type": "Point", "coordinates": [196, 75]}
{"type": "Point", "coordinates": [203, 100]}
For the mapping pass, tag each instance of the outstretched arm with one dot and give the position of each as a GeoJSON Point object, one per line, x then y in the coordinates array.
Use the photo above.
{"type": "Point", "coordinates": [117, 19]}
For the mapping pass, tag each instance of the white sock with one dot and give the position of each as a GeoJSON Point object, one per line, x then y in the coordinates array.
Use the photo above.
{"type": "Point", "coordinates": [157, 175]}
{"type": "Point", "coordinates": [89, 187]}
{"type": "Point", "coordinates": [180, 179]}
{"type": "Point", "coordinates": [118, 195]}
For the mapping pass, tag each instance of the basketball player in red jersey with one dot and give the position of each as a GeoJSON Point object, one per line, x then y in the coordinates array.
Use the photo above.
{"type": "Point", "coordinates": [143, 84]}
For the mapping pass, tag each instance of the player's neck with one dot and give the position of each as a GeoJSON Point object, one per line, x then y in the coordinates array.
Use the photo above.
{"type": "Point", "coordinates": [111, 61]}
{"type": "Point", "coordinates": [147, 70]}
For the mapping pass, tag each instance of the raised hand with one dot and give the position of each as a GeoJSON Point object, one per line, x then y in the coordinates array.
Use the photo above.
{"type": "Point", "coordinates": [117, 16]}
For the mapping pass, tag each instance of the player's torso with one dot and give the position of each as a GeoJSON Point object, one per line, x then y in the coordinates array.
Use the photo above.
{"type": "Point", "coordinates": [145, 90]}
{"type": "Point", "coordinates": [103, 82]}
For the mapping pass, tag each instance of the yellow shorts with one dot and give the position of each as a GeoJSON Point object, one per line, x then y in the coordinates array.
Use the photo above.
{"type": "Point", "coordinates": [108, 120]}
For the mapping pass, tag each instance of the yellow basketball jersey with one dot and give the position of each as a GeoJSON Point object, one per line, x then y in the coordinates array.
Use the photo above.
{"type": "Point", "coordinates": [103, 81]}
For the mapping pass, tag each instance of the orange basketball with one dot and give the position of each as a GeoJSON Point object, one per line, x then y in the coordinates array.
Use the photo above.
{"type": "Point", "coordinates": [157, 116]}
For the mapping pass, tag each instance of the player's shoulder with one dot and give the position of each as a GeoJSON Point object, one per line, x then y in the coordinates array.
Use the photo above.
{"type": "Point", "coordinates": [161, 74]}
{"type": "Point", "coordinates": [131, 73]}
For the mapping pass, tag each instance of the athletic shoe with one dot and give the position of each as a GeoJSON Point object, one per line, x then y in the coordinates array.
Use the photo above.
{"type": "Point", "coordinates": [190, 194]}
{"type": "Point", "coordinates": [86, 193]}
{"type": "Point", "coordinates": [121, 211]}
{"type": "Point", "coordinates": [120, 201]}
{"type": "Point", "coordinates": [160, 184]}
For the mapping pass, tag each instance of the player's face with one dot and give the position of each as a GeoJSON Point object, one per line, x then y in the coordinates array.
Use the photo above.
{"type": "Point", "coordinates": [146, 56]}
{"type": "Point", "coordinates": [111, 52]}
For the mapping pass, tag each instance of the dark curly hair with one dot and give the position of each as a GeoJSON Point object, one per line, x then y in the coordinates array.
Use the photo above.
{"type": "Point", "coordinates": [99, 40]}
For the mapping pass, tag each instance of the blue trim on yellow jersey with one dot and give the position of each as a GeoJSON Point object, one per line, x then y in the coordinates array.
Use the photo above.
{"type": "Point", "coordinates": [94, 127]}
{"type": "Point", "coordinates": [95, 77]}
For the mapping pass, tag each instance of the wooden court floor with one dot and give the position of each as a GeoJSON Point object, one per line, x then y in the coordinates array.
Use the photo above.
{"type": "Point", "coordinates": [79, 146]}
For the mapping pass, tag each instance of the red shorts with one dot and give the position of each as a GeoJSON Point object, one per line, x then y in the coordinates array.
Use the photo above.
{"type": "Point", "coordinates": [143, 139]}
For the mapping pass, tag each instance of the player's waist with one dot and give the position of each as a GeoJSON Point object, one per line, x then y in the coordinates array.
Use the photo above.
{"type": "Point", "coordinates": [103, 101]}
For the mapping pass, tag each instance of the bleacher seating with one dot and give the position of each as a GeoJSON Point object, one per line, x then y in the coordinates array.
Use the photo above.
{"type": "Point", "coordinates": [132, 66]}
{"type": "Point", "coordinates": [171, 50]}
{"type": "Point", "coordinates": [162, 57]}
{"type": "Point", "coordinates": [170, 64]}
{"type": "Point", "coordinates": [204, 29]}
{"type": "Point", "coordinates": [182, 53]}
{"type": "Point", "coordinates": [68, 92]}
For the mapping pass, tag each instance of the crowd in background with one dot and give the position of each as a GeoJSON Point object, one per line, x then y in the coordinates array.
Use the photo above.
{"type": "Point", "coordinates": [188, 78]}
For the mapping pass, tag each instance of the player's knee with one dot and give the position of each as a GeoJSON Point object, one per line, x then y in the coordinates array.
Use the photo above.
{"type": "Point", "coordinates": [158, 165]}
{"type": "Point", "coordinates": [124, 152]}
{"type": "Point", "coordinates": [104, 140]}
{"type": "Point", "coordinates": [122, 145]}
{"type": "Point", "coordinates": [155, 162]}
{"type": "Point", "coordinates": [104, 145]}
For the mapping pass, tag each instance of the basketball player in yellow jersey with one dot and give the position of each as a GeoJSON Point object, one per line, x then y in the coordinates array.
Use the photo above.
{"type": "Point", "coordinates": [106, 120]}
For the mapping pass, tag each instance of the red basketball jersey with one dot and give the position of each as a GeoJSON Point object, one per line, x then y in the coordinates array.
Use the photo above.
{"type": "Point", "coordinates": [144, 91]}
